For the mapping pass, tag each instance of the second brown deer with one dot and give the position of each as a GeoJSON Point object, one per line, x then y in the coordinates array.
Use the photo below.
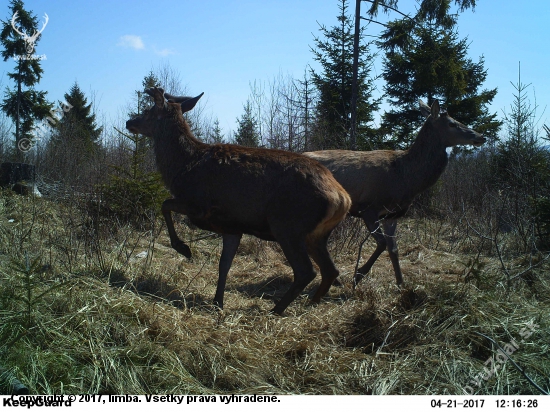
{"type": "Point", "coordinates": [230, 189]}
{"type": "Point", "coordinates": [383, 183]}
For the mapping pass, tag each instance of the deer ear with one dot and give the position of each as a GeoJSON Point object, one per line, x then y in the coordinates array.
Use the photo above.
{"type": "Point", "coordinates": [435, 109]}
{"type": "Point", "coordinates": [188, 104]}
{"type": "Point", "coordinates": [424, 108]}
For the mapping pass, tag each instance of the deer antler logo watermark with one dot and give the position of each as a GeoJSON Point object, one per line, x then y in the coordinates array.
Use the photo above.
{"type": "Point", "coordinates": [29, 40]}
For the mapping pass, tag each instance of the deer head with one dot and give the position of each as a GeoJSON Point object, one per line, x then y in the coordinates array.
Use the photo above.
{"type": "Point", "coordinates": [29, 40]}
{"type": "Point", "coordinates": [146, 122]}
{"type": "Point", "coordinates": [454, 132]}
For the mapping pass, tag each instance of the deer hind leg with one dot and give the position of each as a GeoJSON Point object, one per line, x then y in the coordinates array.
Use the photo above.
{"type": "Point", "coordinates": [373, 224]}
{"type": "Point", "coordinates": [169, 206]}
{"type": "Point", "coordinates": [390, 226]}
{"type": "Point", "coordinates": [295, 251]}
{"type": "Point", "coordinates": [318, 250]}
{"type": "Point", "coordinates": [230, 245]}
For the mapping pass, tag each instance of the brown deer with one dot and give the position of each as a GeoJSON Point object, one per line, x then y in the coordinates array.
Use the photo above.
{"type": "Point", "coordinates": [230, 189]}
{"type": "Point", "coordinates": [383, 183]}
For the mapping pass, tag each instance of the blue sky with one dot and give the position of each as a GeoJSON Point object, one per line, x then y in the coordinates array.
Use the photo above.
{"type": "Point", "coordinates": [220, 47]}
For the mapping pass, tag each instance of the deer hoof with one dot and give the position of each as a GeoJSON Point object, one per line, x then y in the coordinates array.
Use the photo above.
{"type": "Point", "coordinates": [356, 279]}
{"type": "Point", "coordinates": [276, 311]}
{"type": "Point", "coordinates": [182, 249]}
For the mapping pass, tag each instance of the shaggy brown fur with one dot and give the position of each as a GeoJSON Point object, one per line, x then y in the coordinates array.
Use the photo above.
{"type": "Point", "coordinates": [383, 183]}
{"type": "Point", "coordinates": [229, 189]}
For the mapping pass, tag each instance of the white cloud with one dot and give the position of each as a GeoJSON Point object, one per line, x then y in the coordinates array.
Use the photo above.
{"type": "Point", "coordinates": [164, 52]}
{"type": "Point", "coordinates": [131, 41]}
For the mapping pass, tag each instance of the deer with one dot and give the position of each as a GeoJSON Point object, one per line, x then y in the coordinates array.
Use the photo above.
{"type": "Point", "coordinates": [234, 190]}
{"type": "Point", "coordinates": [382, 184]}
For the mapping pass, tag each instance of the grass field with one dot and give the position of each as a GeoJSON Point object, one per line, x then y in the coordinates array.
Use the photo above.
{"type": "Point", "coordinates": [111, 309]}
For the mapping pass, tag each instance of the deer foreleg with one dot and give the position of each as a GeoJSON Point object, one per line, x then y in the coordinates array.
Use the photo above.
{"type": "Point", "coordinates": [169, 206]}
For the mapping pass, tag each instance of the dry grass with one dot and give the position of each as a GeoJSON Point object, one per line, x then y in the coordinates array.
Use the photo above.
{"type": "Point", "coordinates": [117, 323]}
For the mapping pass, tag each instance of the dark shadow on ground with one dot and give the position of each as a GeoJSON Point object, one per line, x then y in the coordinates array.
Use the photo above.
{"type": "Point", "coordinates": [274, 287]}
{"type": "Point", "coordinates": [158, 289]}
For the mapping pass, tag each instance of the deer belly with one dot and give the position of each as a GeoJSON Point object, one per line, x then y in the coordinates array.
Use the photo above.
{"type": "Point", "coordinates": [216, 220]}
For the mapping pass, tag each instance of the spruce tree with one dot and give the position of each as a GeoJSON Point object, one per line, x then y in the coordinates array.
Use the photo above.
{"type": "Point", "coordinates": [142, 102]}
{"type": "Point", "coordinates": [215, 134]}
{"type": "Point", "coordinates": [334, 51]}
{"type": "Point", "coordinates": [521, 169]}
{"type": "Point", "coordinates": [424, 58]}
{"type": "Point", "coordinates": [143, 99]}
{"type": "Point", "coordinates": [247, 131]}
{"type": "Point", "coordinates": [23, 103]}
{"type": "Point", "coordinates": [78, 125]}
{"type": "Point", "coordinates": [434, 10]}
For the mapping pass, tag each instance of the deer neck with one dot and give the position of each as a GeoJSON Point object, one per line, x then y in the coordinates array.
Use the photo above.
{"type": "Point", "coordinates": [425, 160]}
{"type": "Point", "coordinates": [175, 148]}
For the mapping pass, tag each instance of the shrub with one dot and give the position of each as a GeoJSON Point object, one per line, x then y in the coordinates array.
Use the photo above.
{"type": "Point", "coordinates": [131, 193]}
